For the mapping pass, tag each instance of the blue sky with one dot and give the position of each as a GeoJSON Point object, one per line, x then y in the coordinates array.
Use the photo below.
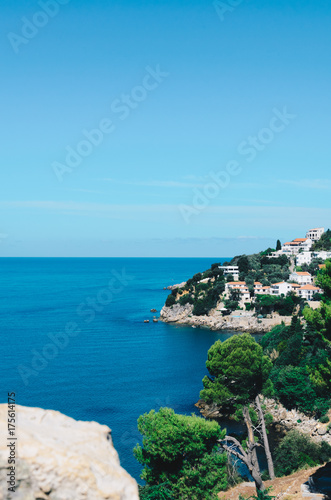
{"type": "Point", "coordinates": [180, 89]}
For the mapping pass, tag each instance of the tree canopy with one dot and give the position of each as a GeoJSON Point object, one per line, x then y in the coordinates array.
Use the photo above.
{"type": "Point", "coordinates": [180, 456]}
{"type": "Point", "coordinates": [237, 370]}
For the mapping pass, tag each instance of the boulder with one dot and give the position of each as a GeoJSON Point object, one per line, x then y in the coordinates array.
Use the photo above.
{"type": "Point", "coordinates": [60, 458]}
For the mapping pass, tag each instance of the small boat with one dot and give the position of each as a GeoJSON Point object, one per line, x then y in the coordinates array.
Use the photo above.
{"type": "Point", "coordinates": [146, 320]}
{"type": "Point", "coordinates": [153, 310]}
{"type": "Point", "coordinates": [155, 320]}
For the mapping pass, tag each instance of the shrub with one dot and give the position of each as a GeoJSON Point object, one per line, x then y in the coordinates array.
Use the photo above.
{"type": "Point", "coordinates": [297, 451]}
{"type": "Point", "coordinates": [171, 300]}
{"type": "Point", "coordinates": [324, 419]}
{"type": "Point", "coordinates": [186, 299]}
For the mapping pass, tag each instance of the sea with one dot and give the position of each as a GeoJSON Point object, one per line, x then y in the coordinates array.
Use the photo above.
{"type": "Point", "coordinates": [73, 339]}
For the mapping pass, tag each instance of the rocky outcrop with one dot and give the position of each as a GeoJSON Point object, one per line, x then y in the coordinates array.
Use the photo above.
{"type": "Point", "coordinates": [60, 458]}
{"type": "Point", "coordinates": [174, 287]}
{"type": "Point", "coordinates": [285, 420]}
{"type": "Point", "coordinates": [216, 321]}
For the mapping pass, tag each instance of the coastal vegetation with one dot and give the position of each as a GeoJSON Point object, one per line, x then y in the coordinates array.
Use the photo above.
{"type": "Point", "coordinates": [185, 457]}
{"type": "Point", "coordinates": [205, 290]}
{"type": "Point", "coordinates": [238, 374]}
{"type": "Point", "coordinates": [324, 243]}
{"type": "Point", "coordinates": [180, 457]}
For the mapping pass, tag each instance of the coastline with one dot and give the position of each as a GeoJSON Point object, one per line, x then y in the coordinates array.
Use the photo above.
{"type": "Point", "coordinates": [238, 322]}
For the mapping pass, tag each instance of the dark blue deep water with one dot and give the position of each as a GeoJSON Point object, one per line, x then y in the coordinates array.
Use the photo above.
{"type": "Point", "coordinates": [115, 367]}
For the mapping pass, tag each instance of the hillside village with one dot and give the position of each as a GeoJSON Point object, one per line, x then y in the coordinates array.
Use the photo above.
{"type": "Point", "coordinates": [301, 283]}
{"type": "Point", "coordinates": [254, 291]}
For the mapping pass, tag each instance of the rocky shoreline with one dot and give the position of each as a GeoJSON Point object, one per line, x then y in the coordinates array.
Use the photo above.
{"type": "Point", "coordinates": [240, 321]}
{"type": "Point", "coordinates": [283, 420]}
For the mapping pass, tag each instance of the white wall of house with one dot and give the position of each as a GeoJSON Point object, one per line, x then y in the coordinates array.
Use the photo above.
{"type": "Point", "coordinates": [281, 288]}
{"type": "Point", "coordinates": [304, 258]}
{"type": "Point", "coordinates": [308, 292]}
{"type": "Point", "coordinates": [301, 278]}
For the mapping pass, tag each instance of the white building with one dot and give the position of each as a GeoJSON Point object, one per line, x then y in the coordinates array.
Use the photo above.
{"type": "Point", "coordinates": [239, 286]}
{"type": "Point", "coordinates": [282, 288]}
{"type": "Point", "coordinates": [291, 248]}
{"type": "Point", "coordinates": [258, 287]}
{"type": "Point", "coordinates": [297, 245]}
{"type": "Point", "coordinates": [304, 258]}
{"type": "Point", "coordinates": [315, 234]}
{"type": "Point", "coordinates": [307, 292]}
{"type": "Point", "coordinates": [231, 270]}
{"type": "Point", "coordinates": [303, 278]}
{"type": "Point", "coordinates": [321, 255]}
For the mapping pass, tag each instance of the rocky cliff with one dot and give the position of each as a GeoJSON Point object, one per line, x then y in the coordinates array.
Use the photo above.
{"type": "Point", "coordinates": [60, 458]}
{"type": "Point", "coordinates": [238, 321]}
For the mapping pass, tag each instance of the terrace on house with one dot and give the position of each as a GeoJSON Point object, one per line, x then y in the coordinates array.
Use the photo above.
{"type": "Point", "coordinates": [231, 271]}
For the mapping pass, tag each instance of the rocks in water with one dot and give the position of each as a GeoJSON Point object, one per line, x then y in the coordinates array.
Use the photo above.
{"type": "Point", "coordinates": [173, 287]}
{"type": "Point", "coordinates": [153, 310]}
{"type": "Point", "coordinates": [61, 459]}
{"type": "Point", "coordinates": [216, 321]}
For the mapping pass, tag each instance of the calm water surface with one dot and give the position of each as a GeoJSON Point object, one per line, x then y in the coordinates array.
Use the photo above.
{"type": "Point", "coordinates": [117, 367]}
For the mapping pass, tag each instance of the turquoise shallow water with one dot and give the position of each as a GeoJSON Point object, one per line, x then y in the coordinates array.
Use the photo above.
{"type": "Point", "coordinates": [117, 367]}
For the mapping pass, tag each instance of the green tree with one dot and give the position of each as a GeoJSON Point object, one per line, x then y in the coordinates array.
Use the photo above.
{"type": "Point", "coordinates": [324, 279]}
{"type": "Point", "coordinates": [278, 245]}
{"type": "Point", "coordinates": [243, 264]}
{"type": "Point", "coordinates": [324, 243]}
{"type": "Point", "coordinates": [238, 370]}
{"type": "Point", "coordinates": [181, 457]}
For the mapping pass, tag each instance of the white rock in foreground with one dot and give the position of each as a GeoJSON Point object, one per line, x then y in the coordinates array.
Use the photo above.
{"type": "Point", "coordinates": [60, 458]}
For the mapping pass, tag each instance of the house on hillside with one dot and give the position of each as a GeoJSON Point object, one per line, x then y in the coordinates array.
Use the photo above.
{"type": "Point", "coordinates": [282, 288]}
{"type": "Point", "coordinates": [322, 254]}
{"type": "Point", "coordinates": [231, 271]}
{"type": "Point", "coordinates": [307, 292]}
{"type": "Point", "coordinates": [297, 245]}
{"type": "Point", "coordinates": [303, 278]}
{"type": "Point", "coordinates": [315, 234]}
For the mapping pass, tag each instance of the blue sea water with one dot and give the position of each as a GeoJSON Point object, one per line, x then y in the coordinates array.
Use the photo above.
{"type": "Point", "coordinates": [115, 367]}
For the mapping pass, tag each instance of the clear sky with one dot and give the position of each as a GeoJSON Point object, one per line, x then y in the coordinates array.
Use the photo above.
{"type": "Point", "coordinates": [177, 94]}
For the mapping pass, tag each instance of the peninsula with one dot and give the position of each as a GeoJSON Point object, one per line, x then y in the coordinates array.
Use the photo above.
{"type": "Point", "coordinates": [253, 292]}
